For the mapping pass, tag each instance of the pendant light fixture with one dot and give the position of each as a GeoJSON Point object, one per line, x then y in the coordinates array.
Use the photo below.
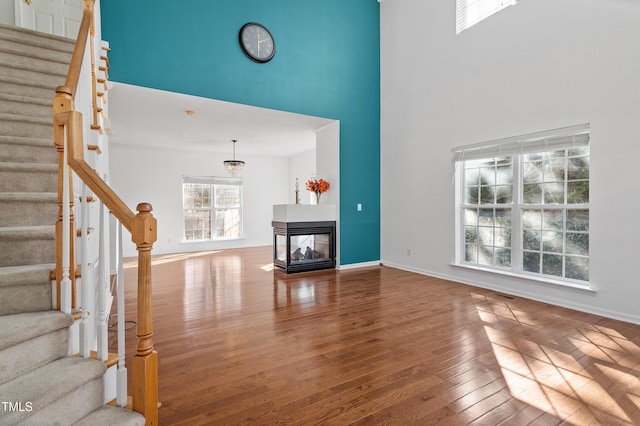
{"type": "Point", "coordinates": [234, 167]}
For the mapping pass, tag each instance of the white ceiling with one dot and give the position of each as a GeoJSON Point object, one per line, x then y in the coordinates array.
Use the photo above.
{"type": "Point", "coordinates": [150, 117]}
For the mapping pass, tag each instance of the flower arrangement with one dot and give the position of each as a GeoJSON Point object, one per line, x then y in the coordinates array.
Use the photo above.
{"type": "Point", "coordinates": [318, 186]}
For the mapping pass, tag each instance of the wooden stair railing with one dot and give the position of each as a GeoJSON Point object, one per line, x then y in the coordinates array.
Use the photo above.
{"type": "Point", "coordinates": [68, 138]}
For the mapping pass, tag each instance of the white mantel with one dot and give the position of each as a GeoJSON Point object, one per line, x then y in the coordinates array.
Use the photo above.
{"type": "Point", "coordinates": [304, 212]}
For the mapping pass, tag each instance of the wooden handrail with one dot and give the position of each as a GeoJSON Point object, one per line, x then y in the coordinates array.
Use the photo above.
{"type": "Point", "coordinates": [75, 156]}
{"type": "Point", "coordinates": [73, 75]}
{"type": "Point", "coordinates": [68, 134]}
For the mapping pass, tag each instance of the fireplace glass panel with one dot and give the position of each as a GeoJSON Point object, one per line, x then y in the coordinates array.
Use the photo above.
{"type": "Point", "coordinates": [281, 248]}
{"type": "Point", "coordinates": [305, 248]}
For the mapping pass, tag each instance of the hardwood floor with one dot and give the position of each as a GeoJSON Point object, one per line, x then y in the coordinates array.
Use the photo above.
{"type": "Point", "coordinates": [241, 344]}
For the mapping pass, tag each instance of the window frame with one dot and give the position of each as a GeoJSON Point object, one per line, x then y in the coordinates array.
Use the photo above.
{"type": "Point", "coordinates": [554, 140]}
{"type": "Point", "coordinates": [213, 182]}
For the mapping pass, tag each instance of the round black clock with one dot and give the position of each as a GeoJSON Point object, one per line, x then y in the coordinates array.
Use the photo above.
{"type": "Point", "coordinates": [257, 42]}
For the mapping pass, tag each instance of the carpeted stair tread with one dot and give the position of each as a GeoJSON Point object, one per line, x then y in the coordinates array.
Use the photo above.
{"type": "Point", "coordinates": [28, 177]}
{"type": "Point", "coordinates": [18, 328]}
{"type": "Point", "coordinates": [29, 167]}
{"type": "Point", "coordinates": [52, 78]}
{"type": "Point", "coordinates": [29, 37]}
{"type": "Point", "coordinates": [112, 416]}
{"type": "Point", "coordinates": [51, 386]}
{"type": "Point", "coordinates": [24, 299]}
{"type": "Point", "coordinates": [10, 97]}
{"type": "Point", "coordinates": [14, 233]}
{"type": "Point", "coordinates": [16, 149]}
{"type": "Point", "coordinates": [33, 197]}
{"type": "Point", "coordinates": [25, 288]}
{"type": "Point", "coordinates": [24, 275]}
{"type": "Point", "coordinates": [33, 65]}
{"type": "Point", "coordinates": [28, 208]}
{"type": "Point", "coordinates": [16, 61]}
{"type": "Point", "coordinates": [10, 45]}
{"type": "Point", "coordinates": [24, 245]}
{"type": "Point", "coordinates": [47, 121]}
{"type": "Point", "coordinates": [45, 197]}
{"type": "Point", "coordinates": [27, 141]}
{"type": "Point", "coordinates": [38, 126]}
{"type": "Point", "coordinates": [18, 86]}
{"type": "Point", "coordinates": [31, 340]}
{"type": "Point", "coordinates": [25, 105]}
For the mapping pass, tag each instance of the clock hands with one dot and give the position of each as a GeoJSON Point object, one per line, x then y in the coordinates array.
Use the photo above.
{"type": "Point", "coordinates": [259, 42]}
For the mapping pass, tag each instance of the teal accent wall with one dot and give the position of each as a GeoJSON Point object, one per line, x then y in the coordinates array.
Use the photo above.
{"type": "Point", "coordinates": [327, 64]}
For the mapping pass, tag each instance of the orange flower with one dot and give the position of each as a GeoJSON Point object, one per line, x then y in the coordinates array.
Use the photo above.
{"type": "Point", "coordinates": [318, 186]}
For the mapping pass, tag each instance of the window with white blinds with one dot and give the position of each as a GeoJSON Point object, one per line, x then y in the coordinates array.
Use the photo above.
{"type": "Point", "coordinates": [522, 205]}
{"type": "Point", "coordinates": [470, 12]}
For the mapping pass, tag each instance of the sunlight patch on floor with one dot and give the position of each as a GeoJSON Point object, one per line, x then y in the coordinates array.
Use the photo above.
{"type": "Point", "coordinates": [267, 268]}
{"type": "Point", "coordinates": [167, 258]}
{"type": "Point", "coordinates": [588, 376]}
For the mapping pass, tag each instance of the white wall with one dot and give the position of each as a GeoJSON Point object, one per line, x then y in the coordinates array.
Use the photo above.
{"type": "Point", "coordinates": [140, 174]}
{"type": "Point", "coordinates": [539, 65]}
{"type": "Point", "coordinates": [328, 168]}
{"type": "Point", "coordinates": [328, 161]}
{"type": "Point", "coordinates": [302, 167]}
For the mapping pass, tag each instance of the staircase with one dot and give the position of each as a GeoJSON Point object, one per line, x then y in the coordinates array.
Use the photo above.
{"type": "Point", "coordinates": [39, 383]}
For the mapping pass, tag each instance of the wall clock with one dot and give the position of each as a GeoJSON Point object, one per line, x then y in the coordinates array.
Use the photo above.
{"type": "Point", "coordinates": [257, 42]}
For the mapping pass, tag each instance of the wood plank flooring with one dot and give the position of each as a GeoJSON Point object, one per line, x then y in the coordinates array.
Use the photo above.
{"type": "Point", "coordinates": [241, 344]}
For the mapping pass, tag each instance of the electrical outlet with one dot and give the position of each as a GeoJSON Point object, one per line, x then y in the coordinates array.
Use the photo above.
{"type": "Point", "coordinates": [359, 207]}
{"type": "Point", "coordinates": [409, 252]}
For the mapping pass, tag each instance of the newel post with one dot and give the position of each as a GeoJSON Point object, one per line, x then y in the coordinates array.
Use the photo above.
{"type": "Point", "coordinates": [63, 103]}
{"type": "Point", "coordinates": [145, 361]}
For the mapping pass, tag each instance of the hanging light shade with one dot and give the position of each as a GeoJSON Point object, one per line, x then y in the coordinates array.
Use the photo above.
{"type": "Point", "coordinates": [234, 167]}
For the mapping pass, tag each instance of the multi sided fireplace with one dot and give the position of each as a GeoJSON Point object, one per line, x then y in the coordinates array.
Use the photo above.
{"type": "Point", "coordinates": [303, 245]}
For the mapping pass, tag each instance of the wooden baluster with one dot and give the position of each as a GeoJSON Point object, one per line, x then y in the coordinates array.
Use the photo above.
{"type": "Point", "coordinates": [145, 362]}
{"type": "Point", "coordinates": [94, 92]}
{"type": "Point", "coordinates": [66, 289]}
{"type": "Point", "coordinates": [59, 142]}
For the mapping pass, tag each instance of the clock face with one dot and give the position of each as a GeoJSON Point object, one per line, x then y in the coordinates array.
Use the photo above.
{"type": "Point", "coordinates": [257, 42]}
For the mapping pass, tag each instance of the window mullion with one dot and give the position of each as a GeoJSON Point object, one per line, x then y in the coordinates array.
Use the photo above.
{"type": "Point", "coordinates": [516, 219]}
{"type": "Point", "coordinates": [460, 207]}
{"type": "Point", "coordinates": [564, 212]}
{"type": "Point", "coordinates": [212, 213]}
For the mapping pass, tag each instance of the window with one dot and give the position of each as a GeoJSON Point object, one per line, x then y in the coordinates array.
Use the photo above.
{"type": "Point", "coordinates": [212, 208]}
{"type": "Point", "coordinates": [523, 205]}
{"type": "Point", "coordinates": [470, 12]}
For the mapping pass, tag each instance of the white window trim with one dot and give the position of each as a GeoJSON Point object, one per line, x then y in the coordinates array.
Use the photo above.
{"type": "Point", "coordinates": [563, 138]}
{"type": "Point", "coordinates": [214, 180]}
{"type": "Point", "coordinates": [529, 277]}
